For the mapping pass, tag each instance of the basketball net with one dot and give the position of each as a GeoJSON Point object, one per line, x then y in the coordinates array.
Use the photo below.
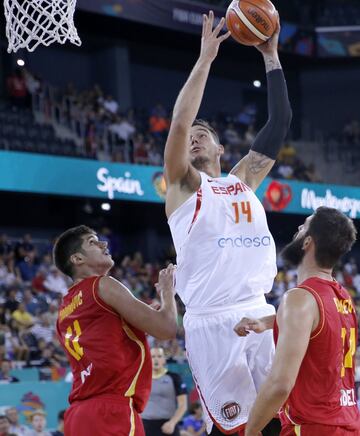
{"type": "Point", "coordinates": [33, 22]}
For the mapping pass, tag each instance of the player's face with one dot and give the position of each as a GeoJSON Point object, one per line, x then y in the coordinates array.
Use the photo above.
{"type": "Point", "coordinates": [96, 253]}
{"type": "Point", "coordinates": [203, 147]}
{"type": "Point", "coordinates": [158, 358]}
{"type": "Point", "coordinates": [294, 252]}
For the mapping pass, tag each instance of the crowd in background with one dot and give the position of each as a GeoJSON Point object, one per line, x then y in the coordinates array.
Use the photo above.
{"type": "Point", "coordinates": [99, 130]}
{"type": "Point", "coordinates": [31, 289]}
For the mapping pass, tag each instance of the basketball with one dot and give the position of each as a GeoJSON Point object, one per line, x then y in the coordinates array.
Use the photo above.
{"type": "Point", "coordinates": [251, 22]}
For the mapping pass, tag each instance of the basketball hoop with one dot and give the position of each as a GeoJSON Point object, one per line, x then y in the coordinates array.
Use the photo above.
{"type": "Point", "coordinates": [33, 22]}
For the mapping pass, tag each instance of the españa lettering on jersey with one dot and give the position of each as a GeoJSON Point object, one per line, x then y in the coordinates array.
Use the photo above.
{"type": "Point", "coordinates": [324, 392]}
{"type": "Point", "coordinates": [223, 216]}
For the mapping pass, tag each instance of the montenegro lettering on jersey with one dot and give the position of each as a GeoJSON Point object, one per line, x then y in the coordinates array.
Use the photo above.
{"type": "Point", "coordinates": [324, 392]}
{"type": "Point", "coordinates": [225, 251]}
{"type": "Point", "coordinates": [107, 356]}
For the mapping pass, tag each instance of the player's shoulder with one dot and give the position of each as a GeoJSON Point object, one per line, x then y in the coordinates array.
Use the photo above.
{"type": "Point", "coordinates": [298, 299]}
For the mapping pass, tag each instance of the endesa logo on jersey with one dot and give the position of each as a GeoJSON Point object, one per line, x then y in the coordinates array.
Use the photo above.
{"type": "Point", "coordinates": [244, 242]}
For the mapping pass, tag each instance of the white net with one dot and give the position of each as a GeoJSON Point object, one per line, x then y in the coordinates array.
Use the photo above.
{"type": "Point", "coordinates": [33, 22]}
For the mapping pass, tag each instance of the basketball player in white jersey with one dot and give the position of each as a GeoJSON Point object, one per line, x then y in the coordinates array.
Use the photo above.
{"type": "Point", "coordinates": [225, 253]}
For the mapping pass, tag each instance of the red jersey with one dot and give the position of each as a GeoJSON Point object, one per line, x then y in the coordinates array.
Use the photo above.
{"type": "Point", "coordinates": [108, 357]}
{"type": "Point", "coordinates": [324, 392]}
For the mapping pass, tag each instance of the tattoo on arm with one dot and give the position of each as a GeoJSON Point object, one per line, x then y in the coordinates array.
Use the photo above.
{"type": "Point", "coordinates": [257, 162]}
{"type": "Point", "coordinates": [272, 63]}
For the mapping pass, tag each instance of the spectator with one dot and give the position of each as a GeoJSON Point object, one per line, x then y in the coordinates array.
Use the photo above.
{"type": "Point", "coordinates": [60, 428]}
{"type": "Point", "coordinates": [38, 423]}
{"type": "Point", "coordinates": [55, 282]}
{"type": "Point", "coordinates": [42, 329]}
{"type": "Point", "coordinates": [25, 248]}
{"type": "Point", "coordinates": [15, 427]}
{"type": "Point", "coordinates": [12, 302]}
{"type": "Point", "coordinates": [111, 105]}
{"type": "Point", "coordinates": [6, 249]}
{"type": "Point", "coordinates": [27, 269]}
{"type": "Point", "coordinates": [194, 423]}
{"type": "Point", "coordinates": [167, 403]}
{"type": "Point", "coordinates": [122, 128]}
{"type": "Point", "coordinates": [16, 87]}
{"type": "Point", "coordinates": [4, 426]}
{"type": "Point", "coordinates": [5, 376]}
{"type": "Point", "coordinates": [22, 317]}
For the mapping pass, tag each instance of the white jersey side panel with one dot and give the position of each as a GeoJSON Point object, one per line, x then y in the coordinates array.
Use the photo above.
{"type": "Point", "coordinates": [225, 251]}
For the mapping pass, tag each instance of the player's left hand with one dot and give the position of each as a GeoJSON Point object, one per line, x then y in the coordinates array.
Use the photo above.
{"type": "Point", "coordinates": [166, 279]}
{"type": "Point", "coordinates": [246, 325]}
{"type": "Point", "coordinates": [168, 427]}
{"type": "Point", "coordinates": [270, 47]}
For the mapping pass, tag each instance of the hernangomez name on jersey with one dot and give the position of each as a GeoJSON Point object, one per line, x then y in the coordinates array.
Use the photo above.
{"type": "Point", "coordinates": [225, 251]}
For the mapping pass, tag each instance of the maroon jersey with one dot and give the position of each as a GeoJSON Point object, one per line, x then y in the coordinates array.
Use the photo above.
{"type": "Point", "coordinates": [324, 391]}
{"type": "Point", "coordinates": [108, 357]}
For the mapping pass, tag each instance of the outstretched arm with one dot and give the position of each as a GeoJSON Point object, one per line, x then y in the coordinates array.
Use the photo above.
{"type": "Point", "coordinates": [256, 165]}
{"type": "Point", "coordinates": [188, 102]}
{"type": "Point", "coordinates": [297, 317]}
{"type": "Point", "coordinates": [158, 323]}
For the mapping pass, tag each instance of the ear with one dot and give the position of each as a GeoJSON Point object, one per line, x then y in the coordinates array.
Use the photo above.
{"type": "Point", "coordinates": [77, 259]}
{"type": "Point", "coordinates": [221, 149]}
{"type": "Point", "coordinates": [307, 243]}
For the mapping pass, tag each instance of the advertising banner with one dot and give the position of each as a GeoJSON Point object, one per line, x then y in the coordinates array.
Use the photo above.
{"type": "Point", "coordinates": [42, 174]}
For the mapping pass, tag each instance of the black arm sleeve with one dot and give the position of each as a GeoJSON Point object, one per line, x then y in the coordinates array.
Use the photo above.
{"type": "Point", "coordinates": [270, 138]}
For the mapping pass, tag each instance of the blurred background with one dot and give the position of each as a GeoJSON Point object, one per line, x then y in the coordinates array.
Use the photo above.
{"type": "Point", "coordinates": [82, 133]}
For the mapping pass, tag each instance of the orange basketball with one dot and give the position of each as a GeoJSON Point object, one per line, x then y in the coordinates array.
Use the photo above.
{"type": "Point", "coordinates": [251, 22]}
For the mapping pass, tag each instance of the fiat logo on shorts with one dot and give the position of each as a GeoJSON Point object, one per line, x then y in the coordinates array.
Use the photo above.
{"type": "Point", "coordinates": [230, 410]}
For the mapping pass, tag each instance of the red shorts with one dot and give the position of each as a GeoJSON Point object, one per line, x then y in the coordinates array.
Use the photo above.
{"type": "Point", "coordinates": [318, 430]}
{"type": "Point", "coordinates": [103, 416]}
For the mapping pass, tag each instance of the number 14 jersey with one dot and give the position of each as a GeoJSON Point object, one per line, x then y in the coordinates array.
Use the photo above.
{"type": "Point", "coordinates": [225, 251]}
{"type": "Point", "coordinates": [108, 357]}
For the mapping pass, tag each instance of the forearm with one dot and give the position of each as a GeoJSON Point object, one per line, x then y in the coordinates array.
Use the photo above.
{"type": "Point", "coordinates": [268, 402]}
{"type": "Point", "coordinates": [271, 137]}
{"type": "Point", "coordinates": [189, 100]}
{"type": "Point", "coordinates": [179, 413]}
{"type": "Point", "coordinates": [168, 312]}
{"type": "Point", "coordinates": [268, 321]}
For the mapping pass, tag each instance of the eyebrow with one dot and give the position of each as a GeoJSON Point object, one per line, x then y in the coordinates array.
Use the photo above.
{"type": "Point", "coordinates": [92, 236]}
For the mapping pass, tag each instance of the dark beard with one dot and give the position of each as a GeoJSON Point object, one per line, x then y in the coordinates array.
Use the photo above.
{"type": "Point", "coordinates": [200, 163]}
{"type": "Point", "coordinates": [293, 253]}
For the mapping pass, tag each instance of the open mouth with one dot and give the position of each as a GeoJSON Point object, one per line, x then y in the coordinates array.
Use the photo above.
{"type": "Point", "coordinates": [107, 252]}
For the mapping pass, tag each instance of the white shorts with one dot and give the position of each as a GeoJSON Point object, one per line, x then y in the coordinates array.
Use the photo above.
{"type": "Point", "coordinates": [227, 369]}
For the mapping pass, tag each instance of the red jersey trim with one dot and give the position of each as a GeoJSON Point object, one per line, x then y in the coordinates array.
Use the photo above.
{"type": "Point", "coordinates": [320, 327]}
{"type": "Point", "coordinates": [197, 208]}
{"type": "Point", "coordinates": [98, 300]}
{"type": "Point", "coordinates": [131, 335]}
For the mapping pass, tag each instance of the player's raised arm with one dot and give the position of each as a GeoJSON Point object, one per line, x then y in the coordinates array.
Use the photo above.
{"type": "Point", "coordinates": [187, 105]}
{"type": "Point", "coordinates": [256, 165]}
{"type": "Point", "coordinates": [158, 323]}
{"type": "Point", "coordinates": [297, 317]}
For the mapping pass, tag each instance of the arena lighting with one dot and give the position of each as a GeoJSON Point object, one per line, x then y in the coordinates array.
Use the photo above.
{"type": "Point", "coordinates": [257, 83]}
{"type": "Point", "coordinates": [20, 62]}
{"type": "Point", "coordinates": [106, 206]}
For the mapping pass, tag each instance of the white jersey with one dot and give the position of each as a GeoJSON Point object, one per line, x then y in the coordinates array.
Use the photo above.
{"type": "Point", "coordinates": [225, 251]}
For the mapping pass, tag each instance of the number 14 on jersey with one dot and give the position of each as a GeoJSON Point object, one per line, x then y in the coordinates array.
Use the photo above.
{"type": "Point", "coordinates": [242, 210]}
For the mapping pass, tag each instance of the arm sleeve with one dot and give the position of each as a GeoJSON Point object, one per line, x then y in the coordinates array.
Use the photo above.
{"type": "Point", "coordinates": [179, 385]}
{"type": "Point", "coordinates": [270, 138]}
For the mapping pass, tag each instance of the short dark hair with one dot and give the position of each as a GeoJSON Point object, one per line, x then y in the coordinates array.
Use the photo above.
{"type": "Point", "coordinates": [333, 233]}
{"type": "Point", "coordinates": [61, 415]}
{"type": "Point", "coordinates": [194, 406]}
{"type": "Point", "coordinates": [66, 245]}
{"type": "Point", "coordinates": [207, 126]}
